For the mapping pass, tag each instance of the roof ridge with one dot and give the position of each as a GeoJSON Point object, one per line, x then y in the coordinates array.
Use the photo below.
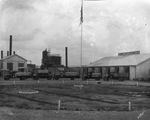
{"type": "Point", "coordinates": [7, 57]}
{"type": "Point", "coordinates": [122, 60]}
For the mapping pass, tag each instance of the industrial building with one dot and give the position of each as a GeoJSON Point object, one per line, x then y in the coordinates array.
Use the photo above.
{"type": "Point", "coordinates": [132, 65]}
{"type": "Point", "coordinates": [50, 60]}
{"type": "Point", "coordinates": [13, 63]}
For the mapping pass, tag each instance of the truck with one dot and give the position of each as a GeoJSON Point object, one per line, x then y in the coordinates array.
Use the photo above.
{"type": "Point", "coordinates": [23, 75]}
{"type": "Point", "coordinates": [96, 76]}
{"type": "Point", "coordinates": [8, 74]}
{"type": "Point", "coordinates": [42, 74]}
{"type": "Point", "coordinates": [72, 75]}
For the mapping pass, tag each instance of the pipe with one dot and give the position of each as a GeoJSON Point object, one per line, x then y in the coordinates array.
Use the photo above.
{"type": "Point", "coordinates": [10, 46]}
{"type": "Point", "coordinates": [7, 53]}
{"type": "Point", "coordinates": [1, 54]}
{"type": "Point", "coordinates": [66, 56]}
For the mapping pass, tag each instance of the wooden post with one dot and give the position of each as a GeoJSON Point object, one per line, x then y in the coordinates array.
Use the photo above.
{"type": "Point", "coordinates": [137, 83]}
{"type": "Point", "coordinates": [129, 106]}
{"type": "Point", "coordinates": [59, 102]}
{"type": "Point", "coordinates": [87, 81]}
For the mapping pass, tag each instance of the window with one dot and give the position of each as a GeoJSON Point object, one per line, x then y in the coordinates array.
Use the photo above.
{"type": "Point", "coordinates": [10, 66]}
{"type": "Point", "coordinates": [1, 65]}
{"type": "Point", "coordinates": [20, 64]}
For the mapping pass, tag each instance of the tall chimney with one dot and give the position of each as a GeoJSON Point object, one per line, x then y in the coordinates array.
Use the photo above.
{"type": "Point", "coordinates": [10, 46]}
{"type": "Point", "coordinates": [7, 53]}
{"type": "Point", "coordinates": [66, 56]}
{"type": "Point", "coordinates": [1, 54]}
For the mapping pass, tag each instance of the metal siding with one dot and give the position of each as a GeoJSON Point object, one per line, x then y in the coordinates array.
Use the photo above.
{"type": "Point", "coordinates": [132, 72]}
{"type": "Point", "coordinates": [143, 70]}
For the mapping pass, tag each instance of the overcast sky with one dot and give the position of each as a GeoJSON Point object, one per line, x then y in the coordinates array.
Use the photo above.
{"type": "Point", "coordinates": [109, 27]}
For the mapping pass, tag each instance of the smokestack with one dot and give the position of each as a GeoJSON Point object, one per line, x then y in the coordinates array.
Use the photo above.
{"type": "Point", "coordinates": [1, 54]}
{"type": "Point", "coordinates": [7, 53]}
{"type": "Point", "coordinates": [66, 56]}
{"type": "Point", "coordinates": [10, 46]}
{"type": "Point", "coordinates": [13, 52]}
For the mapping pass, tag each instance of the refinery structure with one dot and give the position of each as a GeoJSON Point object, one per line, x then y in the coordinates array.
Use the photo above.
{"type": "Point", "coordinates": [50, 60]}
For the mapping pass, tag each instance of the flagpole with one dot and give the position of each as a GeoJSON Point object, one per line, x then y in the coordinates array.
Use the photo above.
{"type": "Point", "coordinates": [81, 42]}
{"type": "Point", "coordinates": [81, 22]}
{"type": "Point", "coordinates": [81, 29]}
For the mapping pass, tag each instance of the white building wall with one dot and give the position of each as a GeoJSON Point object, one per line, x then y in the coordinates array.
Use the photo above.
{"type": "Point", "coordinates": [4, 65]}
{"type": "Point", "coordinates": [25, 65]}
{"type": "Point", "coordinates": [15, 66]}
{"type": "Point", "coordinates": [132, 72]}
{"type": "Point", "coordinates": [143, 69]}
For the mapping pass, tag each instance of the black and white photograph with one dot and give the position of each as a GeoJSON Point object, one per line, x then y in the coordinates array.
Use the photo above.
{"type": "Point", "coordinates": [74, 60]}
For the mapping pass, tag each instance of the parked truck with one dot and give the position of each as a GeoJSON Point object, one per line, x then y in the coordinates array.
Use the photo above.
{"type": "Point", "coordinates": [42, 74]}
{"type": "Point", "coordinates": [72, 75]}
{"type": "Point", "coordinates": [23, 75]}
{"type": "Point", "coordinates": [8, 74]}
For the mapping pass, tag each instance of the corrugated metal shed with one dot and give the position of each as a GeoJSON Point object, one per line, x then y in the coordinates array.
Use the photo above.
{"type": "Point", "coordinates": [121, 60]}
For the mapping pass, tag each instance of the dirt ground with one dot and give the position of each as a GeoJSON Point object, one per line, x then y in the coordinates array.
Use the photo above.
{"type": "Point", "coordinates": [21, 114]}
{"type": "Point", "coordinates": [104, 101]}
{"type": "Point", "coordinates": [88, 97]}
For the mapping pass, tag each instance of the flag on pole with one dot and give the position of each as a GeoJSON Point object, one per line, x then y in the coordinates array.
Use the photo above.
{"type": "Point", "coordinates": [81, 17]}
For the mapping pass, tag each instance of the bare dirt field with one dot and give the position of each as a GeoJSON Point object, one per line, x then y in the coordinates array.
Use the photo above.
{"type": "Point", "coordinates": [89, 102]}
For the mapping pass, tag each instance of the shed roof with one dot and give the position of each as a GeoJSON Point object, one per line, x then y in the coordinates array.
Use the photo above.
{"type": "Point", "coordinates": [130, 60]}
{"type": "Point", "coordinates": [7, 57]}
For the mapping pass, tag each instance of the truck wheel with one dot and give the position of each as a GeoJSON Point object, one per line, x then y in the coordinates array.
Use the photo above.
{"type": "Point", "coordinates": [97, 79]}
{"type": "Point", "coordinates": [56, 78]}
{"type": "Point", "coordinates": [22, 78]}
{"type": "Point", "coordinates": [6, 78]}
{"type": "Point", "coordinates": [121, 79]}
{"type": "Point", "coordinates": [84, 78]}
{"type": "Point", "coordinates": [35, 78]}
{"type": "Point", "coordinates": [49, 78]}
